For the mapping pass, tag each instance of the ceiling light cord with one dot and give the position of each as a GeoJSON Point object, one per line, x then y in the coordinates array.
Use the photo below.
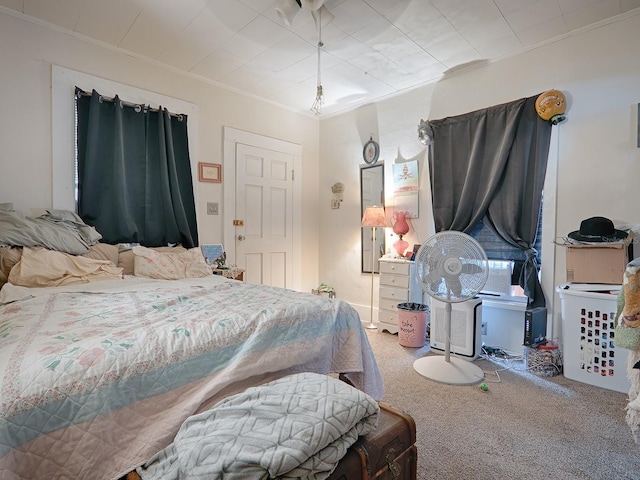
{"type": "Point", "coordinates": [320, 45]}
{"type": "Point", "coordinates": [319, 101]}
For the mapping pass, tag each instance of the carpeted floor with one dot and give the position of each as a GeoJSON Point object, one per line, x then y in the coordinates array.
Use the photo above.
{"type": "Point", "coordinates": [524, 427]}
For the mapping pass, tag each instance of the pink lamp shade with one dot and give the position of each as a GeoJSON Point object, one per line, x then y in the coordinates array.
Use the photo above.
{"type": "Point", "coordinates": [374, 217]}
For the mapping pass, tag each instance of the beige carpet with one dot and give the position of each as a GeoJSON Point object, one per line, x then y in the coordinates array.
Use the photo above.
{"type": "Point", "coordinates": [524, 427]}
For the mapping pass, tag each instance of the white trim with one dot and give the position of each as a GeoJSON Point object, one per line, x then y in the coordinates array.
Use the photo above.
{"type": "Point", "coordinates": [549, 214]}
{"type": "Point", "coordinates": [63, 83]}
{"type": "Point", "coordinates": [232, 137]}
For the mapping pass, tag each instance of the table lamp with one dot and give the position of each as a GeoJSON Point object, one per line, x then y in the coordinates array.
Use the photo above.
{"type": "Point", "coordinates": [400, 228]}
{"type": "Point", "coordinates": [373, 218]}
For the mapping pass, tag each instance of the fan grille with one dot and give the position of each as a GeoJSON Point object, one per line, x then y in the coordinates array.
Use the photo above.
{"type": "Point", "coordinates": [451, 266]}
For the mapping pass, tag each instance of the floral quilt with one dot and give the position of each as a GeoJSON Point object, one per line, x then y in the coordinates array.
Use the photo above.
{"type": "Point", "coordinates": [97, 378]}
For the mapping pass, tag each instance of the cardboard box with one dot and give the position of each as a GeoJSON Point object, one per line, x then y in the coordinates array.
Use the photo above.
{"type": "Point", "coordinates": [602, 263]}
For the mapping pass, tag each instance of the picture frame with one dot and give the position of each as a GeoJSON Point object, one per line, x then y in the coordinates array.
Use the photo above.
{"type": "Point", "coordinates": [212, 252]}
{"type": "Point", "coordinates": [210, 172]}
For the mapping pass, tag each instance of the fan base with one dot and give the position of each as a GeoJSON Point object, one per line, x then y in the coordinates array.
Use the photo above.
{"type": "Point", "coordinates": [454, 372]}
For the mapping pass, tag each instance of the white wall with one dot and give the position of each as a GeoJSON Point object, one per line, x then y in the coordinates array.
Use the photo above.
{"type": "Point", "coordinates": [28, 52]}
{"type": "Point", "coordinates": [598, 162]}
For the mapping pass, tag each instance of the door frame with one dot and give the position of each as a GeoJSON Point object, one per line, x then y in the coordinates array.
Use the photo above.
{"type": "Point", "coordinates": [232, 137]}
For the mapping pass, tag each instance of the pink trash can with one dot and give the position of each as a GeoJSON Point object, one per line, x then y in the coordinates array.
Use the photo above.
{"type": "Point", "coordinates": [412, 324]}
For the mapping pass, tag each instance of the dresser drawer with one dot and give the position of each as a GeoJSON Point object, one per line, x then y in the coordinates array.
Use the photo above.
{"type": "Point", "coordinates": [397, 268]}
{"type": "Point", "coordinates": [401, 281]}
{"type": "Point", "coordinates": [393, 293]}
{"type": "Point", "coordinates": [389, 318]}
{"type": "Point", "coordinates": [389, 304]}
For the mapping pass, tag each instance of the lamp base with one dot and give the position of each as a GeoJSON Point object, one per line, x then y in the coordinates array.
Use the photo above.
{"type": "Point", "coordinates": [371, 326]}
{"type": "Point", "coordinates": [401, 246]}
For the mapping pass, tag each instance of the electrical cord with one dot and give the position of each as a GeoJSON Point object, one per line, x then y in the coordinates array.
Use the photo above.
{"type": "Point", "coordinates": [513, 362]}
{"type": "Point", "coordinates": [485, 355]}
{"type": "Point", "coordinates": [495, 372]}
{"type": "Point", "coordinates": [497, 354]}
{"type": "Point", "coordinates": [536, 363]}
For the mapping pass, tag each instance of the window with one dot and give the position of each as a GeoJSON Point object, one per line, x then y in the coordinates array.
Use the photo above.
{"type": "Point", "coordinates": [134, 172]}
{"type": "Point", "coordinates": [63, 86]}
{"type": "Point", "coordinates": [497, 249]}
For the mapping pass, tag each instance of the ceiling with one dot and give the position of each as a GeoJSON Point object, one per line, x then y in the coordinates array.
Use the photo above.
{"type": "Point", "coordinates": [372, 48]}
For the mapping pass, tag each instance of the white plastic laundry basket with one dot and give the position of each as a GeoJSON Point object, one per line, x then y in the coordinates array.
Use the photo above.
{"type": "Point", "coordinates": [588, 320]}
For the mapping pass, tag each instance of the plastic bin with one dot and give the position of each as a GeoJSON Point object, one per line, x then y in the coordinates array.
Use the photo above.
{"type": "Point", "coordinates": [412, 324]}
{"type": "Point", "coordinates": [588, 332]}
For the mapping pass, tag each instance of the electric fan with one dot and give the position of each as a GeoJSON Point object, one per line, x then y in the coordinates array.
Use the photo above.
{"type": "Point", "coordinates": [451, 267]}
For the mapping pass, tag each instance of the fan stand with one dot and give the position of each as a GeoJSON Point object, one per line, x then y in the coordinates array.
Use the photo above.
{"type": "Point", "coordinates": [444, 369]}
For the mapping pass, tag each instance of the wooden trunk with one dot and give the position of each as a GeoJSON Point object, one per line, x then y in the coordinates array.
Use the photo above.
{"type": "Point", "coordinates": [389, 452]}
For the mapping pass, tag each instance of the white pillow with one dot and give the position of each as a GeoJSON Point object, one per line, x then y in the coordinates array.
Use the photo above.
{"type": "Point", "coordinates": [169, 265]}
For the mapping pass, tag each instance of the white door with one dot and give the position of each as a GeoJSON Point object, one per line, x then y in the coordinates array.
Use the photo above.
{"type": "Point", "coordinates": [264, 215]}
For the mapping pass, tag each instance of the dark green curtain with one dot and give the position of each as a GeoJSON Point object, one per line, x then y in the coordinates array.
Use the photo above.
{"type": "Point", "coordinates": [490, 165]}
{"type": "Point", "coordinates": [134, 172]}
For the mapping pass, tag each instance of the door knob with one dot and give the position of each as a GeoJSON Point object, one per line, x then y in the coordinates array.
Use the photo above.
{"type": "Point", "coordinates": [241, 237]}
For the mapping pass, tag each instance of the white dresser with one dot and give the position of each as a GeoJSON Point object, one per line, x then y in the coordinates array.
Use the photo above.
{"type": "Point", "coordinates": [397, 285]}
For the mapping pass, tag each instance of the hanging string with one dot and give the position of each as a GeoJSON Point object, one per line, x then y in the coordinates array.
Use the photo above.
{"type": "Point", "coordinates": [319, 101]}
{"type": "Point", "coordinates": [320, 44]}
{"type": "Point", "coordinates": [318, 78]}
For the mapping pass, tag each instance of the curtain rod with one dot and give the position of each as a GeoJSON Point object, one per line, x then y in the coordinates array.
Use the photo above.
{"type": "Point", "coordinates": [137, 106]}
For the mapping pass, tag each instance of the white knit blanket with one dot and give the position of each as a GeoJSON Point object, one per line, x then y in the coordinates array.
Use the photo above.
{"type": "Point", "coordinates": [299, 426]}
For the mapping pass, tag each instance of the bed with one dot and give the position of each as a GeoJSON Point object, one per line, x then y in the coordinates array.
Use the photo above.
{"type": "Point", "coordinates": [99, 376]}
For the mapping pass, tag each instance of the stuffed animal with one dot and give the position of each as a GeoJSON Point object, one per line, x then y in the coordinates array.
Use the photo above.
{"type": "Point", "coordinates": [628, 336]}
{"type": "Point", "coordinates": [631, 286]}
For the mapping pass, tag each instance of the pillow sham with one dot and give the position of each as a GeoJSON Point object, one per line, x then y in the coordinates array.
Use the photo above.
{"type": "Point", "coordinates": [170, 265]}
{"type": "Point", "coordinates": [126, 256]}
{"type": "Point", "coordinates": [103, 251]}
{"type": "Point", "coordinates": [9, 256]}
{"type": "Point", "coordinates": [39, 267]}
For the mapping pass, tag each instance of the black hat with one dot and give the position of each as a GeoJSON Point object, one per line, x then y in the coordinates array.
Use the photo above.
{"type": "Point", "coordinates": [597, 229]}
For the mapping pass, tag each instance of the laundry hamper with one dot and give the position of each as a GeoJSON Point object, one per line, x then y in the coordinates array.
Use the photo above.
{"type": "Point", "coordinates": [588, 333]}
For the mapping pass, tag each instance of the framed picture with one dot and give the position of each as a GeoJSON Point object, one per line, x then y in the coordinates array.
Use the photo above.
{"type": "Point", "coordinates": [210, 172]}
{"type": "Point", "coordinates": [212, 252]}
{"type": "Point", "coordinates": [406, 187]}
